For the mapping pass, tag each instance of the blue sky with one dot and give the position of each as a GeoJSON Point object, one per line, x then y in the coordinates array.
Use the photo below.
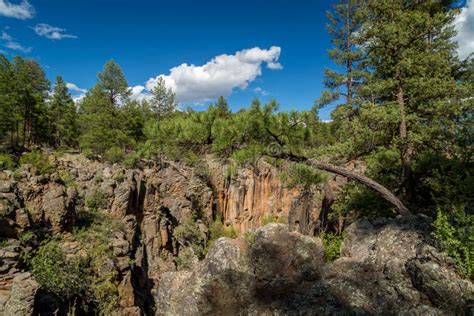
{"type": "Point", "coordinates": [148, 38]}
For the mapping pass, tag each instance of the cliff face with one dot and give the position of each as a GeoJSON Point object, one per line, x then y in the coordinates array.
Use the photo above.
{"type": "Point", "coordinates": [276, 269]}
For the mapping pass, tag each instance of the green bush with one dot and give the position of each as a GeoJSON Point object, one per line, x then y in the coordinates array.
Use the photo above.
{"type": "Point", "coordinates": [218, 230]}
{"type": "Point", "coordinates": [67, 178]}
{"type": "Point", "coordinates": [58, 274]}
{"type": "Point", "coordinates": [38, 160]}
{"type": "Point", "coordinates": [332, 245]}
{"type": "Point", "coordinates": [114, 155]}
{"type": "Point", "coordinates": [455, 234]}
{"type": "Point", "coordinates": [274, 219]}
{"type": "Point", "coordinates": [6, 162]}
{"type": "Point", "coordinates": [189, 234]}
{"type": "Point", "coordinates": [97, 200]}
{"type": "Point", "coordinates": [185, 258]}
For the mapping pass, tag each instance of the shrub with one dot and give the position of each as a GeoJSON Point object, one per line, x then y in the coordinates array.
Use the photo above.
{"type": "Point", "coordinates": [332, 245]}
{"type": "Point", "coordinates": [6, 162]}
{"type": "Point", "coordinates": [67, 178]}
{"type": "Point", "coordinates": [65, 277]}
{"type": "Point", "coordinates": [97, 200]}
{"type": "Point", "coordinates": [119, 177]}
{"type": "Point", "coordinates": [189, 234]}
{"type": "Point", "coordinates": [38, 160]}
{"type": "Point", "coordinates": [274, 219]}
{"type": "Point", "coordinates": [455, 235]}
{"type": "Point", "coordinates": [218, 230]}
{"type": "Point", "coordinates": [185, 258]}
{"type": "Point", "coordinates": [131, 160]}
{"type": "Point", "coordinates": [114, 154]}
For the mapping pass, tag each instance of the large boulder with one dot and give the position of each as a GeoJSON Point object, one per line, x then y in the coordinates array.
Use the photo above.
{"type": "Point", "coordinates": [267, 270]}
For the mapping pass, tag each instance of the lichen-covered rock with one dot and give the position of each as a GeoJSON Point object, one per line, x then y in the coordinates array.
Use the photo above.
{"type": "Point", "coordinates": [249, 275]}
{"type": "Point", "coordinates": [21, 296]}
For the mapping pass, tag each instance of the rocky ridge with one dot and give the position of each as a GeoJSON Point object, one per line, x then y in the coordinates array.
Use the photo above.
{"type": "Point", "coordinates": [387, 266]}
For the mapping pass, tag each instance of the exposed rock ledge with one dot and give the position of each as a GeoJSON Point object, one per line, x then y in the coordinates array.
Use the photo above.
{"type": "Point", "coordinates": [387, 268]}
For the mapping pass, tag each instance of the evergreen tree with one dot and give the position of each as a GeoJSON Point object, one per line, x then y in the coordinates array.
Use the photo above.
{"type": "Point", "coordinates": [345, 23]}
{"type": "Point", "coordinates": [63, 115]}
{"type": "Point", "coordinates": [113, 84]}
{"type": "Point", "coordinates": [410, 48]}
{"type": "Point", "coordinates": [163, 101]}
{"type": "Point", "coordinates": [31, 90]}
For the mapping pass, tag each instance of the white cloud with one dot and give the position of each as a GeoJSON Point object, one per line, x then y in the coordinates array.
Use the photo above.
{"type": "Point", "coordinates": [259, 90]}
{"type": "Point", "coordinates": [219, 76]}
{"type": "Point", "coordinates": [464, 24]}
{"type": "Point", "coordinates": [74, 87]}
{"type": "Point", "coordinates": [52, 32]}
{"type": "Point", "coordinates": [12, 44]}
{"type": "Point", "coordinates": [139, 93]}
{"type": "Point", "coordinates": [21, 11]}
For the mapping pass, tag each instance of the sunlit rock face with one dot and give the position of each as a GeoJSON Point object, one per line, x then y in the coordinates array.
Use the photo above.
{"type": "Point", "coordinates": [387, 266]}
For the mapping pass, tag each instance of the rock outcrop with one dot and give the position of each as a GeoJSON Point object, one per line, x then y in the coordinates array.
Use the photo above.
{"type": "Point", "coordinates": [388, 266]}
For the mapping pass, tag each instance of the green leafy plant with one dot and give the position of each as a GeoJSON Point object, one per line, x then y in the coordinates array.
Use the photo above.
{"type": "Point", "coordinates": [6, 162]}
{"type": "Point", "coordinates": [97, 200]}
{"type": "Point", "coordinates": [332, 245]}
{"type": "Point", "coordinates": [455, 234]}
{"type": "Point", "coordinates": [67, 178]}
{"type": "Point", "coordinates": [38, 160]}
{"type": "Point", "coordinates": [58, 274]}
{"type": "Point", "coordinates": [271, 218]}
{"type": "Point", "coordinates": [114, 155]}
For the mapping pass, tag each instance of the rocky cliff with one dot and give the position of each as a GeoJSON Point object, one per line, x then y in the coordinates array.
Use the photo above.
{"type": "Point", "coordinates": [136, 217]}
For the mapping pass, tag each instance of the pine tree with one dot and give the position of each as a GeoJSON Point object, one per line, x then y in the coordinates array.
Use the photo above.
{"type": "Point", "coordinates": [410, 49]}
{"type": "Point", "coordinates": [163, 101]}
{"type": "Point", "coordinates": [113, 84]}
{"type": "Point", "coordinates": [31, 90]}
{"type": "Point", "coordinates": [63, 115]}
{"type": "Point", "coordinates": [345, 22]}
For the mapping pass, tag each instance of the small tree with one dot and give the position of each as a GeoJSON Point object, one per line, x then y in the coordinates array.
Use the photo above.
{"type": "Point", "coordinates": [163, 100]}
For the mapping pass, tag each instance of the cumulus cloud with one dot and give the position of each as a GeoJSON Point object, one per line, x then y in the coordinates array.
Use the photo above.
{"type": "Point", "coordinates": [219, 76]}
{"type": "Point", "coordinates": [261, 91]}
{"type": "Point", "coordinates": [52, 32]}
{"type": "Point", "coordinates": [464, 25]}
{"type": "Point", "coordinates": [11, 43]}
{"type": "Point", "coordinates": [139, 93]}
{"type": "Point", "coordinates": [21, 11]}
{"type": "Point", "coordinates": [74, 87]}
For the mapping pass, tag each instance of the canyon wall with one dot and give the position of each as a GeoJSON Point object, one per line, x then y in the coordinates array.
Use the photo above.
{"type": "Point", "coordinates": [265, 267]}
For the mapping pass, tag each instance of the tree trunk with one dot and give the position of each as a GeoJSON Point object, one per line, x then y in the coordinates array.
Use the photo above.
{"type": "Point", "coordinates": [407, 148]}
{"type": "Point", "coordinates": [349, 60]}
{"type": "Point", "coordinates": [380, 189]}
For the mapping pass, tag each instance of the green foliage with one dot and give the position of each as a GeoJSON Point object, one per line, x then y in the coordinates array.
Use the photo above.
{"type": "Point", "coordinates": [189, 234]}
{"type": "Point", "coordinates": [185, 258]}
{"type": "Point", "coordinates": [272, 218]}
{"type": "Point", "coordinates": [218, 230]}
{"type": "Point", "coordinates": [119, 177]}
{"type": "Point", "coordinates": [67, 178]}
{"type": "Point", "coordinates": [6, 162]}
{"type": "Point", "coordinates": [58, 274]}
{"type": "Point", "coordinates": [455, 233]}
{"type": "Point", "coordinates": [3, 242]}
{"type": "Point", "coordinates": [38, 160]}
{"type": "Point", "coordinates": [97, 200]}
{"type": "Point", "coordinates": [63, 115]}
{"type": "Point", "coordinates": [163, 100]}
{"type": "Point", "coordinates": [114, 154]}
{"type": "Point", "coordinates": [301, 174]}
{"type": "Point", "coordinates": [332, 245]}
{"type": "Point", "coordinates": [27, 236]}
